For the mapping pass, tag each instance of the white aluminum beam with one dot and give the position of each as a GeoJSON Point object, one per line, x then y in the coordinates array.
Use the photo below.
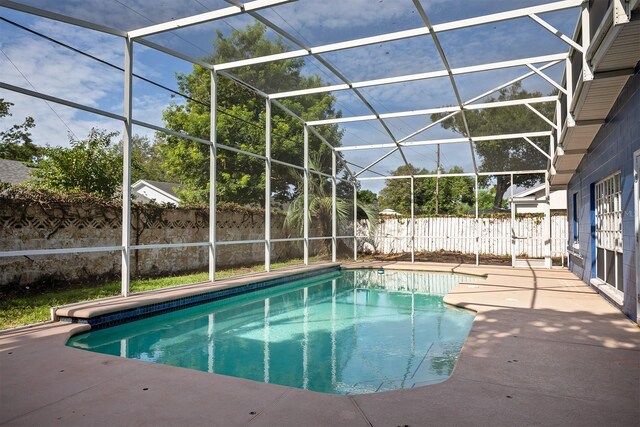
{"type": "Point", "coordinates": [355, 221]}
{"type": "Point", "coordinates": [213, 165]}
{"type": "Point", "coordinates": [510, 82]}
{"type": "Point", "coordinates": [206, 142]}
{"type": "Point", "coordinates": [542, 116]}
{"type": "Point", "coordinates": [569, 82]}
{"type": "Point", "coordinates": [267, 188]}
{"type": "Point", "coordinates": [511, 103]}
{"type": "Point", "coordinates": [204, 17]}
{"type": "Point", "coordinates": [334, 206]}
{"type": "Point", "coordinates": [587, 70]}
{"type": "Point", "coordinates": [175, 53]}
{"type": "Point", "coordinates": [445, 61]}
{"type": "Point", "coordinates": [61, 18]}
{"type": "Point", "coordinates": [544, 153]}
{"type": "Point", "coordinates": [477, 231]}
{"type": "Point", "coordinates": [504, 16]}
{"type": "Point", "coordinates": [60, 101]}
{"type": "Point", "coordinates": [429, 126]}
{"type": "Point", "coordinates": [444, 175]}
{"type": "Point", "coordinates": [61, 251]}
{"type": "Point", "coordinates": [429, 111]}
{"type": "Point", "coordinates": [280, 162]}
{"type": "Point", "coordinates": [305, 185]}
{"type": "Point", "coordinates": [375, 162]}
{"type": "Point", "coordinates": [330, 67]}
{"type": "Point", "coordinates": [556, 32]}
{"type": "Point", "coordinates": [413, 221]}
{"type": "Point", "coordinates": [312, 130]}
{"type": "Point", "coordinates": [126, 168]}
{"type": "Point", "coordinates": [288, 239]}
{"type": "Point", "coordinates": [449, 141]}
{"type": "Point", "coordinates": [547, 78]}
{"type": "Point", "coordinates": [170, 132]}
{"type": "Point", "coordinates": [422, 76]}
{"type": "Point", "coordinates": [239, 242]}
{"type": "Point", "coordinates": [399, 35]}
{"type": "Point", "coordinates": [169, 245]}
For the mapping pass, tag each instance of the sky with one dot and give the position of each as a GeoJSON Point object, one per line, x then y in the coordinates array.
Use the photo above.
{"type": "Point", "coordinates": [32, 62]}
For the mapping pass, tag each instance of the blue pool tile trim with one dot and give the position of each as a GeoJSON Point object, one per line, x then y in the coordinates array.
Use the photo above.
{"type": "Point", "coordinates": [124, 316]}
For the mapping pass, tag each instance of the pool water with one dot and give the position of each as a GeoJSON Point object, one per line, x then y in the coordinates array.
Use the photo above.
{"type": "Point", "coordinates": [346, 332]}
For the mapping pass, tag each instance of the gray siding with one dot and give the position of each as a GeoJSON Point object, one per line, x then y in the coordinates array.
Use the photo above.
{"type": "Point", "coordinates": [611, 151]}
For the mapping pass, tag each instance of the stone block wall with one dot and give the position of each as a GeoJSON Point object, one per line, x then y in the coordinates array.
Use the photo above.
{"type": "Point", "coordinates": [41, 225]}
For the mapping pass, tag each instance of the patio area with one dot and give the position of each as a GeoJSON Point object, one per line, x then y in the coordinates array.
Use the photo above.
{"type": "Point", "coordinates": [544, 349]}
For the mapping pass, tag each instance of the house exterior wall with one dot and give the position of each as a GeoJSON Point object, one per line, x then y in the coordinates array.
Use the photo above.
{"type": "Point", "coordinates": [557, 201]}
{"type": "Point", "coordinates": [610, 152]}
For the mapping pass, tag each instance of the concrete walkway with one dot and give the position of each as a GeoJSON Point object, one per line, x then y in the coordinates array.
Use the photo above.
{"type": "Point", "coordinates": [544, 349]}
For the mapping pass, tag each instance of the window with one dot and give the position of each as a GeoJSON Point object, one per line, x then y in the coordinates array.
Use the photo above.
{"type": "Point", "coordinates": [608, 199]}
{"type": "Point", "coordinates": [576, 228]}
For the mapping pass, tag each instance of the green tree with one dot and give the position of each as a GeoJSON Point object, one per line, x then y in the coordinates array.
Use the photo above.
{"type": "Point", "coordinates": [321, 207]}
{"type": "Point", "coordinates": [241, 119]}
{"type": "Point", "coordinates": [510, 155]}
{"type": "Point", "coordinates": [16, 142]}
{"type": "Point", "coordinates": [146, 161]}
{"type": "Point", "coordinates": [456, 194]}
{"type": "Point", "coordinates": [486, 198]}
{"type": "Point", "coordinates": [92, 165]}
{"type": "Point", "coordinates": [367, 196]}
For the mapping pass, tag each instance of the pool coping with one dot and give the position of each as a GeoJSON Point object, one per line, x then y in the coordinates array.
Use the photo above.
{"type": "Point", "coordinates": [544, 349]}
{"type": "Point", "coordinates": [113, 311]}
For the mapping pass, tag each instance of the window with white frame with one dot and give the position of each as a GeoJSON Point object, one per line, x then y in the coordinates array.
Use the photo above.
{"type": "Point", "coordinates": [608, 210]}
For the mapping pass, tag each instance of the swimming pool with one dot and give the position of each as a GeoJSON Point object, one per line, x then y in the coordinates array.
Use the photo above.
{"type": "Point", "coordinates": [346, 332]}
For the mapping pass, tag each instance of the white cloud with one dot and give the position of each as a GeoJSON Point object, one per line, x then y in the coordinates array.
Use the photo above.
{"type": "Point", "coordinates": [37, 64]}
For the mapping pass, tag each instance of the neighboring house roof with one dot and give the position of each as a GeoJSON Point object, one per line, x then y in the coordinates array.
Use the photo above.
{"type": "Point", "coordinates": [14, 172]}
{"type": "Point", "coordinates": [530, 191]}
{"type": "Point", "coordinates": [389, 212]}
{"type": "Point", "coordinates": [536, 195]}
{"type": "Point", "coordinates": [166, 189]}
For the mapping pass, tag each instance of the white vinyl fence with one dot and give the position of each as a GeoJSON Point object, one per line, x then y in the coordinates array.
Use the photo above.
{"type": "Point", "coordinates": [393, 236]}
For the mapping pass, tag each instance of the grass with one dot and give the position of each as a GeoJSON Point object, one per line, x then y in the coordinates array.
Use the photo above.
{"type": "Point", "coordinates": [24, 310]}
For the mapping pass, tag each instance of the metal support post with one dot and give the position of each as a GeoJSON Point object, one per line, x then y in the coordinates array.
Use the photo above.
{"type": "Point", "coordinates": [334, 208]}
{"type": "Point", "coordinates": [126, 167]}
{"type": "Point", "coordinates": [306, 195]}
{"type": "Point", "coordinates": [587, 72]}
{"type": "Point", "coordinates": [212, 175]}
{"type": "Point", "coordinates": [267, 188]}
{"type": "Point", "coordinates": [513, 225]}
{"type": "Point", "coordinates": [547, 222]}
{"type": "Point", "coordinates": [558, 121]}
{"type": "Point", "coordinates": [477, 230]}
{"type": "Point", "coordinates": [355, 221]}
{"type": "Point", "coordinates": [569, 77]}
{"type": "Point", "coordinates": [413, 224]}
{"type": "Point", "coordinates": [438, 182]}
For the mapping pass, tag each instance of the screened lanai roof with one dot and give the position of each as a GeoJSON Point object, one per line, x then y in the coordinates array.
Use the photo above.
{"type": "Point", "coordinates": [398, 69]}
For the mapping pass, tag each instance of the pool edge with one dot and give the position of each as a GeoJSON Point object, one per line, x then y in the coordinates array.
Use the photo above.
{"type": "Point", "coordinates": [117, 310]}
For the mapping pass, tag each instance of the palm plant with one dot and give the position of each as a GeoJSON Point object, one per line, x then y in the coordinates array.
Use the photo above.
{"type": "Point", "coordinates": [321, 206]}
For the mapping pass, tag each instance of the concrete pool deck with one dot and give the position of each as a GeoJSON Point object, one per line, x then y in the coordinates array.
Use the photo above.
{"type": "Point", "coordinates": [544, 349]}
